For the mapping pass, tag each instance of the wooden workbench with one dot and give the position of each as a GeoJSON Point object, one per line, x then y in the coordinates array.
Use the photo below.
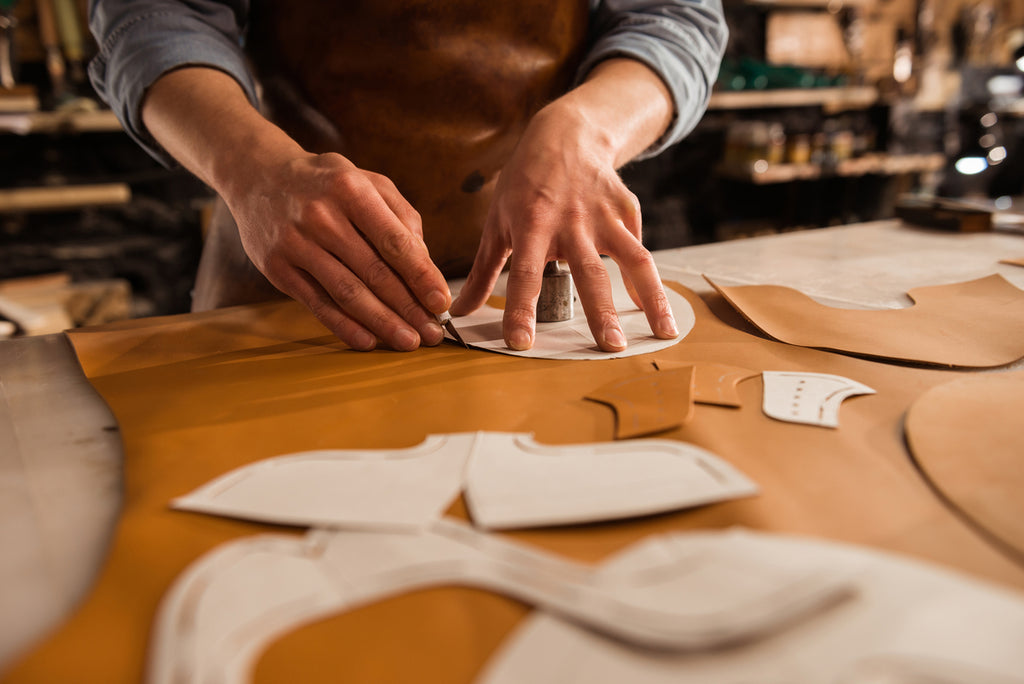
{"type": "Point", "coordinates": [60, 452]}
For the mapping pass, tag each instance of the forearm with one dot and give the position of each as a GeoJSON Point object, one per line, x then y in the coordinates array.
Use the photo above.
{"type": "Point", "coordinates": [142, 40]}
{"type": "Point", "coordinates": [203, 119]}
{"type": "Point", "coordinates": [680, 40]}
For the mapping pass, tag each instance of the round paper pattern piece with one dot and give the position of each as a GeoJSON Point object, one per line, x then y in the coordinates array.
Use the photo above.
{"type": "Point", "coordinates": [571, 339]}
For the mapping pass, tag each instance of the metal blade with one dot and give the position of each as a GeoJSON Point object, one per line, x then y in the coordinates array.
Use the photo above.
{"type": "Point", "coordinates": [445, 320]}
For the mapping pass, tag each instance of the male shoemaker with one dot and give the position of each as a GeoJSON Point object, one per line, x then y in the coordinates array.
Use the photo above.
{"type": "Point", "coordinates": [366, 150]}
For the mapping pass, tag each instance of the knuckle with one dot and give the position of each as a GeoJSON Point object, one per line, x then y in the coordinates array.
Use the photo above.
{"type": "Point", "coordinates": [592, 268]}
{"type": "Point", "coordinates": [315, 213]}
{"type": "Point", "coordinates": [394, 244]}
{"type": "Point", "coordinates": [524, 270]}
{"type": "Point", "coordinates": [603, 317]}
{"type": "Point", "coordinates": [344, 290]}
{"type": "Point", "coordinates": [660, 303]}
{"type": "Point", "coordinates": [348, 182]}
{"type": "Point", "coordinates": [378, 274]}
{"type": "Point", "coordinates": [519, 315]}
{"type": "Point", "coordinates": [322, 311]}
{"type": "Point", "coordinates": [637, 256]}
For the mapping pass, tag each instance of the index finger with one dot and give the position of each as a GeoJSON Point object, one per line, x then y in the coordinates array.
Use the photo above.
{"type": "Point", "coordinates": [399, 245]}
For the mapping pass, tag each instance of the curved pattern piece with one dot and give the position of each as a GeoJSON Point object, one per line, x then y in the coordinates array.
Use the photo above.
{"type": "Point", "coordinates": [379, 488]}
{"type": "Point", "coordinates": [572, 339]}
{"type": "Point", "coordinates": [649, 403]}
{"type": "Point", "coordinates": [809, 398]}
{"type": "Point", "coordinates": [907, 622]}
{"type": "Point", "coordinates": [512, 481]}
{"type": "Point", "coordinates": [966, 437]}
{"type": "Point", "coordinates": [975, 324]}
{"type": "Point", "coordinates": [232, 602]}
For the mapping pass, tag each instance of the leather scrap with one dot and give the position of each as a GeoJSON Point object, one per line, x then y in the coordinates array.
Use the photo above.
{"type": "Point", "coordinates": [973, 324]}
{"type": "Point", "coordinates": [650, 403]}
{"type": "Point", "coordinates": [966, 437]}
{"type": "Point", "coordinates": [713, 383]}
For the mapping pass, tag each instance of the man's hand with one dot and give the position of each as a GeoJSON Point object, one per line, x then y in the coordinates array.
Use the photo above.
{"type": "Point", "coordinates": [339, 239]}
{"type": "Point", "coordinates": [344, 242]}
{"type": "Point", "coordinates": [559, 197]}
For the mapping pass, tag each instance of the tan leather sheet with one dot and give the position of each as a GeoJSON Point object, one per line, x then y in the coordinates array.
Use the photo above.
{"type": "Point", "coordinates": [200, 394]}
{"type": "Point", "coordinates": [966, 435]}
{"type": "Point", "coordinates": [974, 324]}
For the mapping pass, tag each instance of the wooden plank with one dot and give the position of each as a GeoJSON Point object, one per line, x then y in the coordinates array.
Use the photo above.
{"type": "Point", "coordinates": [64, 197]}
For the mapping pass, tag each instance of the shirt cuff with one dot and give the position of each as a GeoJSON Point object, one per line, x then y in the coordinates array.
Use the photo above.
{"type": "Point", "coordinates": [686, 58]}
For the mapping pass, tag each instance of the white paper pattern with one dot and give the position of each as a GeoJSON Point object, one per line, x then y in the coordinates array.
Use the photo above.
{"type": "Point", "coordinates": [512, 481]}
{"type": "Point", "coordinates": [908, 623]}
{"type": "Point", "coordinates": [809, 398]}
{"type": "Point", "coordinates": [225, 608]}
{"type": "Point", "coordinates": [572, 339]}
{"type": "Point", "coordinates": [401, 488]}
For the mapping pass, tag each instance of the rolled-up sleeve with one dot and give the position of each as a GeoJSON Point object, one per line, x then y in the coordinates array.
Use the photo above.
{"type": "Point", "coordinates": [141, 40]}
{"type": "Point", "coordinates": [681, 41]}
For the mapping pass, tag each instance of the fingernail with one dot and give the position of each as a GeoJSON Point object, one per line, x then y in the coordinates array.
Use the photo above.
{"type": "Point", "coordinates": [432, 334]}
{"type": "Point", "coordinates": [613, 337]}
{"type": "Point", "coordinates": [668, 327]}
{"type": "Point", "coordinates": [519, 340]}
{"type": "Point", "coordinates": [437, 301]}
{"type": "Point", "coordinates": [363, 341]}
{"type": "Point", "coordinates": [406, 339]}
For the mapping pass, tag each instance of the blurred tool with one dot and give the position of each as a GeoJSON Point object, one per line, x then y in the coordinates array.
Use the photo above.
{"type": "Point", "coordinates": [51, 47]}
{"type": "Point", "coordinates": [7, 24]}
{"type": "Point", "coordinates": [556, 298]}
{"type": "Point", "coordinates": [71, 40]}
{"type": "Point", "coordinates": [944, 214]}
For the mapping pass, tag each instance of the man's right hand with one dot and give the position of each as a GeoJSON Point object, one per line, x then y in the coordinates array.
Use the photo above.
{"type": "Point", "coordinates": [337, 238]}
{"type": "Point", "coordinates": [347, 244]}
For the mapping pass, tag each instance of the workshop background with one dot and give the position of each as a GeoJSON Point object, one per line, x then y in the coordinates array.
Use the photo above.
{"type": "Point", "coordinates": [825, 112]}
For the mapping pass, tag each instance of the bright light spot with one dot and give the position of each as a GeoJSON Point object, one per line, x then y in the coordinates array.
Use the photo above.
{"type": "Point", "coordinates": [1005, 85]}
{"type": "Point", "coordinates": [987, 140]}
{"type": "Point", "coordinates": [996, 154]}
{"type": "Point", "coordinates": [971, 165]}
{"type": "Point", "coordinates": [1003, 203]}
{"type": "Point", "coordinates": [760, 166]}
{"type": "Point", "coordinates": [903, 65]}
{"type": "Point", "coordinates": [989, 120]}
{"type": "Point", "coordinates": [1020, 63]}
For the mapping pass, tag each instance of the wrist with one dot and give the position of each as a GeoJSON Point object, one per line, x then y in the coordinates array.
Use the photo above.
{"type": "Point", "coordinates": [626, 102]}
{"type": "Point", "coordinates": [251, 159]}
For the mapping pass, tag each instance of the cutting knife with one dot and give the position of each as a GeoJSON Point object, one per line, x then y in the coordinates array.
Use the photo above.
{"type": "Point", "coordinates": [445, 320]}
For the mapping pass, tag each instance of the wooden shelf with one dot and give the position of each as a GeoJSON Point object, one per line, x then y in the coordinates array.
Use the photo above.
{"type": "Point", "coordinates": [835, 99]}
{"type": "Point", "coordinates": [762, 173]}
{"type": "Point", "coordinates": [102, 121]}
{"type": "Point", "coordinates": [64, 197]}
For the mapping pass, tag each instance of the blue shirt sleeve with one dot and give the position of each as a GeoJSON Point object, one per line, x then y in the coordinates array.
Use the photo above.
{"type": "Point", "coordinates": [139, 40]}
{"type": "Point", "coordinates": [683, 42]}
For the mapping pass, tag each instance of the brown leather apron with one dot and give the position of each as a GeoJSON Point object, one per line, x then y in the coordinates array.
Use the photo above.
{"type": "Point", "coordinates": [434, 95]}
